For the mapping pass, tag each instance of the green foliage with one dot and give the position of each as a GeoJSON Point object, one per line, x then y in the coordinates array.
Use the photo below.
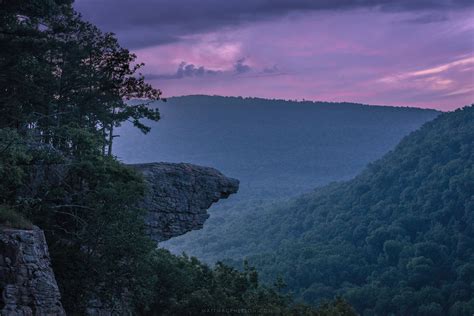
{"type": "Point", "coordinates": [13, 154]}
{"type": "Point", "coordinates": [397, 239]}
{"type": "Point", "coordinates": [64, 86]}
{"type": "Point", "coordinates": [60, 72]}
{"type": "Point", "coordinates": [185, 286]}
{"type": "Point", "coordinates": [86, 204]}
{"type": "Point", "coordinates": [338, 307]}
{"type": "Point", "coordinates": [10, 218]}
{"type": "Point", "coordinates": [106, 250]}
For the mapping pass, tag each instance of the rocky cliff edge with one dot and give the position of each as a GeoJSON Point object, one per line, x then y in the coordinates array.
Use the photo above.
{"type": "Point", "coordinates": [179, 195]}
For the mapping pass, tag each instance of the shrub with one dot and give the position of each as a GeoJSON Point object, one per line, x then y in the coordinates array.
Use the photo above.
{"type": "Point", "coordinates": [13, 219]}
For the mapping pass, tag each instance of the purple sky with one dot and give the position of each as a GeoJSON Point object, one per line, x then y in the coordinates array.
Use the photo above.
{"type": "Point", "coordinates": [410, 53]}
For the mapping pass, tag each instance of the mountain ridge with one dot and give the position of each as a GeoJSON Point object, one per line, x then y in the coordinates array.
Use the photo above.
{"type": "Point", "coordinates": [313, 102]}
{"type": "Point", "coordinates": [289, 150]}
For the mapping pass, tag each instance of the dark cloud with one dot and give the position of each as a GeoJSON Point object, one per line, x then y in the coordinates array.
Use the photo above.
{"type": "Point", "coordinates": [428, 18]}
{"type": "Point", "coordinates": [271, 70]}
{"type": "Point", "coordinates": [185, 70]}
{"type": "Point", "coordinates": [240, 67]}
{"type": "Point", "coordinates": [140, 23]}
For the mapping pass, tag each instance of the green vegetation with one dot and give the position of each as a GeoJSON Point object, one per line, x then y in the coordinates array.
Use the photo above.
{"type": "Point", "coordinates": [12, 219]}
{"type": "Point", "coordinates": [397, 239]}
{"type": "Point", "coordinates": [188, 287]}
{"type": "Point", "coordinates": [64, 86]}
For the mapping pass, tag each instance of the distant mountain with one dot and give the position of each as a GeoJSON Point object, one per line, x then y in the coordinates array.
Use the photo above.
{"type": "Point", "coordinates": [275, 147]}
{"type": "Point", "coordinates": [396, 240]}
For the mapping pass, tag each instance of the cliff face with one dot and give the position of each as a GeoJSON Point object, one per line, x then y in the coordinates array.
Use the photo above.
{"type": "Point", "coordinates": [27, 283]}
{"type": "Point", "coordinates": [179, 195]}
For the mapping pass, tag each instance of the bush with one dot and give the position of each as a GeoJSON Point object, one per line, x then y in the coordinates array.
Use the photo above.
{"type": "Point", "coordinates": [13, 219]}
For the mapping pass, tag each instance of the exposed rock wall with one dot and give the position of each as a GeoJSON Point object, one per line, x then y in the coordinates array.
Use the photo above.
{"type": "Point", "coordinates": [179, 196]}
{"type": "Point", "coordinates": [27, 283]}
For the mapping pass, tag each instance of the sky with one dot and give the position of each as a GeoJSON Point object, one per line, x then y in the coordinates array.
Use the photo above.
{"type": "Point", "coordinates": [404, 53]}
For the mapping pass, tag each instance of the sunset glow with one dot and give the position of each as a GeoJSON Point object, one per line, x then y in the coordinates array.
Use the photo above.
{"type": "Point", "coordinates": [403, 56]}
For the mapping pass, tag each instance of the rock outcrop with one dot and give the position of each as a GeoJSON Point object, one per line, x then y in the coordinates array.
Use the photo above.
{"type": "Point", "coordinates": [179, 195]}
{"type": "Point", "coordinates": [27, 282]}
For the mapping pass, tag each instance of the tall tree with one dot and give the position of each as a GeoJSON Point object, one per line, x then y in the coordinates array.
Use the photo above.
{"type": "Point", "coordinates": [59, 72]}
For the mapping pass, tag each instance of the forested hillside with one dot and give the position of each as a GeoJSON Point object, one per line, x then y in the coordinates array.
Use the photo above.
{"type": "Point", "coordinates": [397, 239]}
{"type": "Point", "coordinates": [274, 147]}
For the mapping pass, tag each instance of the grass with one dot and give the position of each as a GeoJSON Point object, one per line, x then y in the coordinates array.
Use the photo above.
{"type": "Point", "coordinates": [13, 219]}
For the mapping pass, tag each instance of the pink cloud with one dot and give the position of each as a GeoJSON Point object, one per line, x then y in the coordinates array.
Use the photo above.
{"type": "Point", "coordinates": [361, 56]}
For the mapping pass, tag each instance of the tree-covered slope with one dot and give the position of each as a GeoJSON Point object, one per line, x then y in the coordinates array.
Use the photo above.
{"type": "Point", "coordinates": [397, 239]}
{"type": "Point", "coordinates": [274, 147]}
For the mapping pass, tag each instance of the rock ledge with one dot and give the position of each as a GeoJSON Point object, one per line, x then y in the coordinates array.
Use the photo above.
{"type": "Point", "coordinates": [179, 195]}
